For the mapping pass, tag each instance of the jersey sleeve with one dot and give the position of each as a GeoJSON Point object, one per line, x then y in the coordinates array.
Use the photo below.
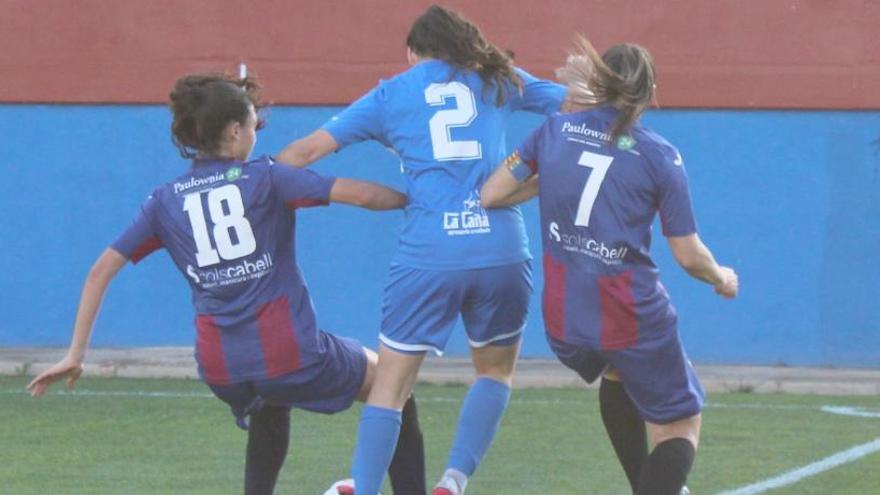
{"type": "Point", "coordinates": [361, 121]}
{"type": "Point", "coordinates": [301, 188]}
{"type": "Point", "coordinates": [674, 199]}
{"type": "Point", "coordinates": [523, 162]}
{"type": "Point", "coordinates": [539, 95]}
{"type": "Point", "coordinates": [140, 238]}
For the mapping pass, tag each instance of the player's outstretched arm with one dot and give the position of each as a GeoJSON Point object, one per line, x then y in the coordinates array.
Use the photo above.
{"type": "Point", "coordinates": [503, 189]}
{"type": "Point", "coordinates": [697, 260]}
{"type": "Point", "coordinates": [367, 195]}
{"type": "Point", "coordinates": [303, 152]}
{"type": "Point", "coordinates": [99, 277]}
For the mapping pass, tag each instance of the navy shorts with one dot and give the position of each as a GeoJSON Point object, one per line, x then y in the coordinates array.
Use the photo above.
{"type": "Point", "coordinates": [655, 372]}
{"type": "Point", "coordinates": [421, 306]}
{"type": "Point", "coordinates": [327, 387]}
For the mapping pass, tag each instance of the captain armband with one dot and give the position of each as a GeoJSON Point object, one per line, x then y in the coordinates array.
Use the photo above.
{"type": "Point", "coordinates": [520, 169]}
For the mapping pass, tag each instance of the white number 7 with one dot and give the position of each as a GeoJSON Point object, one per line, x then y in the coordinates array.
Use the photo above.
{"type": "Point", "coordinates": [600, 165]}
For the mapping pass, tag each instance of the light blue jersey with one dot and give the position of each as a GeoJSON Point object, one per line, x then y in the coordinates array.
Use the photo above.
{"type": "Point", "coordinates": [449, 134]}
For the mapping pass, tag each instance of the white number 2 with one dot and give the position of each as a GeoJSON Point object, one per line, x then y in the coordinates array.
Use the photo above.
{"type": "Point", "coordinates": [445, 120]}
{"type": "Point", "coordinates": [223, 223]}
{"type": "Point", "coordinates": [600, 165]}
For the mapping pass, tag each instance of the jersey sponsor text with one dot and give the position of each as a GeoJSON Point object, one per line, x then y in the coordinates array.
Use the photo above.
{"type": "Point", "coordinates": [588, 246]}
{"type": "Point", "coordinates": [243, 271]}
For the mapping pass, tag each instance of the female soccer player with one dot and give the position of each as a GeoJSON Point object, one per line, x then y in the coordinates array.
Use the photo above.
{"type": "Point", "coordinates": [228, 226]}
{"type": "Point", "coordinates": [445, 117]}
{"type": "Point", "coordinates": [601, 178]}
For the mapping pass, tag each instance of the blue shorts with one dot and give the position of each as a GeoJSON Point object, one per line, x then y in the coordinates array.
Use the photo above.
{"type": "Point", "coordinates": [656, 374]}
{"type": "Point", "coordinates": [327, 387]}
{"type": "Point", "coordinates": [421, 306]}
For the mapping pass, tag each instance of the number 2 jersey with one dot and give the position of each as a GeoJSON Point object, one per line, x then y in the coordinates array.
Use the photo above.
{"type": "Point", "coordinates": [597, 202]}
{"type": "Point", "coordinates": [449, 134]}
{"type": "Point", "coordinates": [228, 226]}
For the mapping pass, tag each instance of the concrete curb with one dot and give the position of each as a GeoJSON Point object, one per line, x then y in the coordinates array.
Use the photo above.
{"type": "Point", "coordinates": [178, 362]}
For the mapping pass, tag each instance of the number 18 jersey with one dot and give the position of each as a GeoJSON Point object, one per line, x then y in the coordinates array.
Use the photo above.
{"type": "Point", "coordinates": [228, 226]}
{"type": "Point", "coordinates": [598, 201]}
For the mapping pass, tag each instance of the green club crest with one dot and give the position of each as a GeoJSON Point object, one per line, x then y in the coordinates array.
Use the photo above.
{"type": "Point", "coordinates": [625, 142]}
{"type": "Point", "coordinates": [233, 174]}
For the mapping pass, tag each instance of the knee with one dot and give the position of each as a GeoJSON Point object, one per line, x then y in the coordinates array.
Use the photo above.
{"type": "Point", "coordinates": [500, 372]}
{"type": "Point", "coordinates": [687, 428]}
{"type": "Point", "coordinates": [495, 362]}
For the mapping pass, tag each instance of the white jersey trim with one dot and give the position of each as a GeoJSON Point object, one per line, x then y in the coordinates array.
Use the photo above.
{"type": "Point", "coordinates": [496, 338]}
{"type": "Point", "coordinates": [400, 346]}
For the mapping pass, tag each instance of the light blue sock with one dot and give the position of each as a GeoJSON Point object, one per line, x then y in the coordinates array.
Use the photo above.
{"type": "Point", "coordinates": [377, 437]}
{"type": "Point", "coordinates": [480, 416]}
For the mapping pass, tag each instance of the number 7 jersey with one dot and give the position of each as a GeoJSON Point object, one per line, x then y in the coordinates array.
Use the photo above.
{"type": "Point", "coordinates": [228, 226]}
{"type": "Point", "coordinates": [598, 201]}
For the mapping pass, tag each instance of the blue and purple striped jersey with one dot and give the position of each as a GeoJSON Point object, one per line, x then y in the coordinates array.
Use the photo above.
{"type": "Point", "coordinates": [449, 133]}
{"type": "Point", "coordinates": [598, 202]}
{"type": "Point", "coordinates": [228, 226]}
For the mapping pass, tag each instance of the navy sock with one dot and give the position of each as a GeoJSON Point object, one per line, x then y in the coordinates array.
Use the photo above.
{"type": "Point", "coordinates": [377, 436]}
{"type": "Point", "coordinates": [268, 438]}
{"type": "Point", "coordinates": [666, 469]}
{"type": "Point", "coordinates": [478, 422]}
{"type": "Point", "coordinates": [407, 470]}
{"type": "Point", "coordinates": [625, 428]}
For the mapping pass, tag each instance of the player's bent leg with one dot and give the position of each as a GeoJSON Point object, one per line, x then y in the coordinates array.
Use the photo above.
{"type": "Point", "coordinates": [624, 426]}
{"type": "Point", "coordinates": [664, 388]}
{"type": "Point", "coordinates": [380, 421]}
{"type": "Point", "coordinates": [268, 438]}
{"type": "Point", "coordinates": [480, 415]}
{"type": "Point", "coordinates": [666, 469]}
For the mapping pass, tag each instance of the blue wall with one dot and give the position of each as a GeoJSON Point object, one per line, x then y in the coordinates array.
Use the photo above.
{"type": "Point", "coordinates": [787, 198]}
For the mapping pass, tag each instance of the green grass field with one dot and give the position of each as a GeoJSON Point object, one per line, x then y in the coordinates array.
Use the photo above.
{"type": "Point", "coordinates": [170, 436]}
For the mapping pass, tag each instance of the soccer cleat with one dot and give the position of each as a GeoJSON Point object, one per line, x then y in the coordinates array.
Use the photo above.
{"type": "Point", "coordinates": [684, 491]}
{"type": "Point", "coordinates": [341, 487]}
{"type": "Point", "coordinates": [447, 486]}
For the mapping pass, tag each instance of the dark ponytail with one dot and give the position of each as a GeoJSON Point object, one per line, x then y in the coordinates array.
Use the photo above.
{"type": "Point", "coordinates": [204, 104]}
{"type": "Point", "coordinates": [623, 77]}
{"type": "Point", "coordinates": [446, 35]}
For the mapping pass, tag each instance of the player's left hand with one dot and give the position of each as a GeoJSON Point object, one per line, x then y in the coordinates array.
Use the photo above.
{"type": "Point", "coordinates": [66, 368]}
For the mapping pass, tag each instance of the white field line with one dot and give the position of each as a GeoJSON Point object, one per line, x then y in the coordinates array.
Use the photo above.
{"type": "Point", "coordinates": [795, 475]}
{"type": "Point", "coordinates": [850, 411]}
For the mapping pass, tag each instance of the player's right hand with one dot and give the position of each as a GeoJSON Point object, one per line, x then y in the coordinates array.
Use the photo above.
{"type": "Point", "coordinates": [729, 285]}
{"type": "Point", "coordinates": [67, 367]}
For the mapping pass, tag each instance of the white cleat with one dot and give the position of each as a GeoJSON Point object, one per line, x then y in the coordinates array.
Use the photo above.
{"type": "Point", "coordinates": [341, 487]}
{"type": "Point", "coordinates": [447, 486]}
{"type": "Point", "coordinates": [684, 491]}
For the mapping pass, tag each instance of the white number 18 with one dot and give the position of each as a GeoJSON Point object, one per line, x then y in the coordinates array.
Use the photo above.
{"type": "Point", "coordinates": [223, 223]}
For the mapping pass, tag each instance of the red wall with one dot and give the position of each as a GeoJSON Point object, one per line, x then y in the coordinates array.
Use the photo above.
{"type": "Point", "coordinates": [709, 53]}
